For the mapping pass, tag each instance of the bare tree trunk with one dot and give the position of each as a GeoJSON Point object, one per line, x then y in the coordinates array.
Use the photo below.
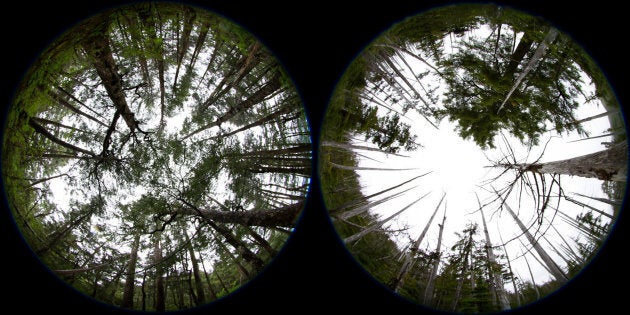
{"type": "Point", "coordinates": [609, 164]}
{"type": "Point", "coordinates": [409, 257]}
{"type": "Point", "coordinates": [377, 225]}
{"type": "Point", "coordinates": [556, 272]}
{"type": "Point", "coordinates": [496, 284]}
{"type": "Point", "coordinates": [428, 292]}
{"type": "Point", "coordinates": [351, 147]}
{"type": "Point", "coordinates": [538, 54]}
{"type": "Point", "coordinates": [531, 275]}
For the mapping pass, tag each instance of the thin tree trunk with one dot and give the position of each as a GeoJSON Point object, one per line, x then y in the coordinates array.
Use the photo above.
{"type": "Point", "coordinates": [213, 294]}
{"type": "Point", "coordinates": [531, 275]}
{"type": "Point", "coordinates": [428, 292]}
{"type": "Point", "coordinates": [364, 208]}
{"type": "Point", "coordinates": [378, 224]}
{"type": "Point", "coordinates": [351, 147]}
{"type": "Point", "coordinates": [267, 89]}
{"type": "Point", "coordinates": [67, 105]}
{"type": "Point", "coordinates": [201, 298]}
{"type": "Point", "coordinates": [496, 282]}
{"type": "Point", "coordinates": [538, 54]}
{"type": "Point", "coordinates": [42, 131]}
{"type": "Point", "coordinates": [127, 299]}
{"type": "Point", "coordinates": [41, 180]}
{"type": "Point", "coordinates": [408, 263]}
{"type": "Point", "coordinates": [144, 293]}
{"type": "Point", "coordinates": [299, 148]}
{"type": "Point", "coordinates": [359, 168]}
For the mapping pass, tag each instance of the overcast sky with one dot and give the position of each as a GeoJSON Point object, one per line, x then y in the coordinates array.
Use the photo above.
{"type": "Point", "coordinates": [458, 168]}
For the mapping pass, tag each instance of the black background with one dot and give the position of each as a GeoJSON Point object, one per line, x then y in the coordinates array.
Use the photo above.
{"type": "Point", "coordinates": [315, 41]}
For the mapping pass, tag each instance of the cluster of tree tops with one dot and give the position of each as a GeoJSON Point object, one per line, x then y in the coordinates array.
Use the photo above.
{"type": "Point", "coordinates": [490, 87]}
{"type": "Point", "coordinates": [180, 148]}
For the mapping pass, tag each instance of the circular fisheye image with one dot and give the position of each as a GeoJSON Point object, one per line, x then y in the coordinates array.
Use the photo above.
{"type": "Point", "coordinates": [473, 159]}
{"type": "Point", "coordinates": [156, 157]}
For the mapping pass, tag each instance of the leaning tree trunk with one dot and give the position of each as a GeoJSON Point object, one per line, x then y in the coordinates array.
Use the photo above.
{"type": "Point", "coordinates": [127, 300]}
{"type": "Point", "coordinates": [556, 272]}
{"type": "Point", "coordinates": [195, 265]}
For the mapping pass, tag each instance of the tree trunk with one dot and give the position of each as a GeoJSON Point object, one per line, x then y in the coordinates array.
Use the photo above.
{"type": "Point", "coordinates": [201, 298]}
{"type": "Point", "coordinates": [538, 54]}
{"type": "Point", "coordinates": [496, 284]}
{"type": "Point", "coordinates": [160, 293]}
{"type": "Point", "coordinates": [98, 47]}
{"type": "Point", "coordinates": [127, 299]}
{"type": "Point", "coordinates": [270, 87]}
{"type": "Point", "coordinates": [351, 147]}
{"type": "Point", "coordinates": [42, 131]}
{"type": "Point", "coordinates": [67, 105]}
{"type": "Point", "coordinates": [284, 216]}
{"type": "Point", "coordinates": [428, 292]}
{"type": "Point", "coordinates": [608, 164]}
{"type": "Point", "coordinates": [408, 263]}
{"type": "Point", "coordinates": [213, 294]}
{"type": "Point", "coordinates": [377, 225]}
{"type": "Point", "coordinates": [556, 272]}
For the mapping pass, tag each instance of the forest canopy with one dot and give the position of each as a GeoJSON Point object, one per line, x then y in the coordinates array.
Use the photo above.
{"type": "Point", "coordinates": [156, 156]}
{"type": "Point", "coordinates": [473, 158]}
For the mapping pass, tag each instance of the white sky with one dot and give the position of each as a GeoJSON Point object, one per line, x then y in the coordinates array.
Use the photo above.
{"type": "Point", "coordinates": [459, 167]}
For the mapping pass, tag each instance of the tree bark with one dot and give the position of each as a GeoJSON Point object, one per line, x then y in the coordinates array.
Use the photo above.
{"type": "Point", "coordinates": [409, 257]}
{"type": "Point", "coordinates": [556, 272]}
{"type": "Point", "coordinates": [496, 282]}
{"type": "Point", "coordinates": [284, 217]}
{"type": "Point", "coordinates": [428, 292]}
{"type": "Point", "coordinates": [127, 299]}
{"type": "Point", "coordinates": [44, 132]}
{"type": "Point", "coordinates": [376, 225]}
{"type": "Point", "coordinates": [201, 297]}
{"type": "Point", "coordinates": [160, 292]}
{"type": "Point", "coordinates": [98, 47]}
{"type": "Point", "coordinates": [270, 86]}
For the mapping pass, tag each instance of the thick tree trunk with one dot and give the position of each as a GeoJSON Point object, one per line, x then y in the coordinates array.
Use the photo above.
{"type": "Point", "coordinates": [284, 216]}
{"type": "Point", "coordinates": [98, 47]}
{"type": "Point", "coordinates": [127, 299]}
{"type": "Point", "coordinates": [160, 292]}
{"type": "Point", "coordinates": [609, 164]}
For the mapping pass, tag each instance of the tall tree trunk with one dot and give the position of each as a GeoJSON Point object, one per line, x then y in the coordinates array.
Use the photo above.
{"type": "Point", "coordinates": [44, 132]}
{"type": "Point", "coordinates": [556, 272]}
{"type": "Point", "coordinates": [531, 275]}
{"type": "Point", "coordinates": [127, 299]}
{"type": "Point", "coordinates": [69, 106]}
{"type": "Point", "coordinates": [377, 225]}
{"type": "Point", "coordinates": [160, 293]}
{"type": "Point", "coordinates": [496, 283]}
{"type": "Point", "coordinates": [538, 54]}
{"type": "Point", "coordinates": [267, 89]}
{"type": "Point", "coordinates": [284, 216]}
{"type": "Point", "coordinates": [351, 147]}
{"type": "Point", "coordinates": [409, 257]}
{"type": "Point", "coordinates": [98, 47]}
{"type": "Point", "coordinates": [201, 298]}
{"type": "Point", "coordinates": [428, 292]}
{"type": "Point", "coordinates": [213, 294]}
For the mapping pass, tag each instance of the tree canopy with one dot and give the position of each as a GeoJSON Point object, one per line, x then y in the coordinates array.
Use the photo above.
{"type": "Point", "coordinates": [156, 150]}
